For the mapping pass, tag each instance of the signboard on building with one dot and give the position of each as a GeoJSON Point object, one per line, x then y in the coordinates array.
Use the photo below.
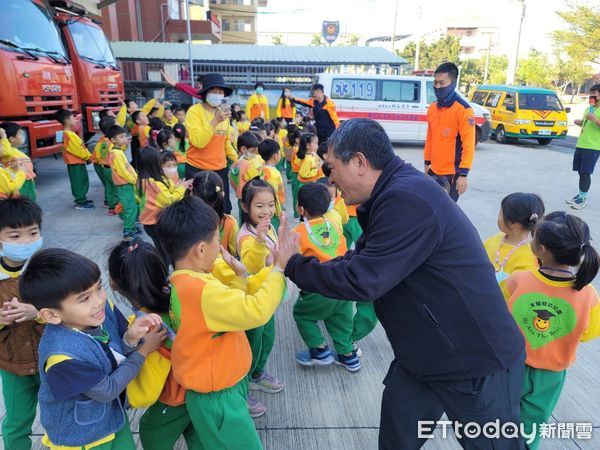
{"type": "Point", "coordinates": [331, 31]}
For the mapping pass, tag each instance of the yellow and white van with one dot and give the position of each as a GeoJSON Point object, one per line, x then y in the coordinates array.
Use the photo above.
{"type": "Point", "coordinates": [523, 112]}
{"type": "Point", "coordinates": [398, 102]}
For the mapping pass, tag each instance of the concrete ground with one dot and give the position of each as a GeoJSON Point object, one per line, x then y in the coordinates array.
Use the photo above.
{"type": "Point", "coordinates": [330, 408]}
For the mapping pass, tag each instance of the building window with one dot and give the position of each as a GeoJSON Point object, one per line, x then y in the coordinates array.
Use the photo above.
{"type": "Point", "coordinates": [225, 24]}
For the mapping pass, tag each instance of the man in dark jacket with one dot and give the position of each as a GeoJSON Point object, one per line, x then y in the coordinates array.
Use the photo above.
{"type": "Point", "coordinates": [457, 348]}
{"type": "Point", "coordinates": [326, 119]}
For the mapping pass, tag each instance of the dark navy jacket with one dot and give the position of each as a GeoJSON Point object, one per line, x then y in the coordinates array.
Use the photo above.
{"type": "Point", "coordinates": [423, 264]}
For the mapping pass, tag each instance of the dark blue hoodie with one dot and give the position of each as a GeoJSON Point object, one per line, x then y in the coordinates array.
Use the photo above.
{"type": "Point", "coordinates": [423, 264]}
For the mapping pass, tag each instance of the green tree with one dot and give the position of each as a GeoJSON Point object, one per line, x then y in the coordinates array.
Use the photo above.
{"type": "Point", "coordinates": [535, 70]}
{"type": "Point", "coordinates": [277, 40]}
{"type": "Point", "coordinates": [447, 48]}
{"type": "Point", "coordinates": [582, 36]}
{"type": "Point", "coordinates": [316, 40]}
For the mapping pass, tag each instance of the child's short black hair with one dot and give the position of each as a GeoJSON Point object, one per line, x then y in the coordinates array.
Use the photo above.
{"type": "Point", "coordinates": [156, 124]}
{"type": "Point", "coordinates": [105, 123]}
{"type": "Point", "coordinates": [135, 115]}
{"type": "Point", "coordinates": [522, 208]}
{"type": "Point", "coordinates": [153, 110]}
{"type": "Point", "coordinates": [128, 101]}
{"type": "Point", "coordinates": [248, 140]}
{"type": "Point", "coordinates": [19, 212]}
{"type": "Point", "coordinates": [208, 185]}
{"type": "Point", "coordinates": [317, 87]}
{"type": "Point", "coordinates": [268, 148]}
{"type": "Point", "coordinates": [314, 198]}
{"type": "Point", "coordinates": [62, 115]}
{"type": "Point", "coordinates": [167, 156]}
{"type": "Point", "coordinates": [322, 150]}
{"type": "Point", "coordinates": [114, 131]}
{"type": "Point", "coordinates": [326, 170]}
{"type": "Point", "coordinates": [258, 122]}
{"type": "Point", "coordinates": [239, 115]}
{"type": "Point", "coordinates": [139, 273]}
{"type": "Point", "coordinates": [104, 113]}
{"type": "Point", "coordinates": [53, 274]}
{"type": "Point", "coordinates": [11, 128]}
{"type": "Point", "coordinates": [184, 224]}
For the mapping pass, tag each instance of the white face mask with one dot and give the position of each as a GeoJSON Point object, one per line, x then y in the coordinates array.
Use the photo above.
{"type": "Point", "coordinates": [214, 100]}
{"type": "Point", "coordinates": [170, 172]}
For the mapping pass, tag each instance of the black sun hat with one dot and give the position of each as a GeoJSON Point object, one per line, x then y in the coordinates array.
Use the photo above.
{"type": "Point", "coordinates": [213, 80]}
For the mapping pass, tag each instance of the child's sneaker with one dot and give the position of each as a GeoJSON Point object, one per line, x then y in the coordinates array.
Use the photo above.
{"type": "Point", "coordinates": [89, 202]}
{"type": "Point", "coordinates": [112, 212]}
{"type": "Point", "coordinates": [128, 235]}
{"type": "Point", "coordinates": [255, 407]}
{"type": "Point", "coordinates": [83, 206]}
{"type": "Point", "coordinates": [572, 201]}
{"type": "Point", "coordinates": [266, 383]}
{"type": "Point", "coordinates": [105, 204]}
{"type": "Point", "coordinates": [357, 349]}
{"type": "Point", "coordinates": [579, 203]}
{"type": "Point", "coordinates": [315, 356]}
{"type": "Point", "coordinates": [351, 363]}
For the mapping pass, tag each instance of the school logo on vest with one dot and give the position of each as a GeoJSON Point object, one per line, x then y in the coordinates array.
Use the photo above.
{"type": "Point", "coordinates": [331, 31]}
{"type": "Point", "coordinates": [327, 240]}
{"type": "Point", "coordinates": [543, 319]}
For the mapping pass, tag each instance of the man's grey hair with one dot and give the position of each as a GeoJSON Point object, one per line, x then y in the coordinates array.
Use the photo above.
{"type": "Point", "coordinates": [362, 136]}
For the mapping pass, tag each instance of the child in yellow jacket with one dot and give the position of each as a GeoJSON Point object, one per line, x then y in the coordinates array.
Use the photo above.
{"type": "Point", "coordinates": [125, 179]}
{"type": "Point", "coordinates": [556, 308]}
{"type": "Point", "coordinates": [102, 166]}
{"type": "Point", "coordinates": [270, 152]}
{"type": "Point", "coordinates": [11, 137]}
{"type": "Point", "coordinates": [248, 166]}
{"type": "Point", "coordinates": [211, 356]}
{"type": "Point", "coordinates": [310, 163]}
{"type": "Point", "coordinates": [257, 240]}
{"type": "Point", "coordinates": [76, 156]}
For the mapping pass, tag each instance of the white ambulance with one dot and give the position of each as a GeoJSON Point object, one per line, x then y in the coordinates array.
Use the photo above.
{"type": "Point", "coordinates": [398, 102]}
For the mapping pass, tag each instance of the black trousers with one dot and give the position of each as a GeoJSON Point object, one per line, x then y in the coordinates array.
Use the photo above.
{"type": "Point", "coordinates": [449, 184]}
{"type": "Point", "coordinates": [408, 400]}
{"type": "Point", "coordinates": [190, 171]}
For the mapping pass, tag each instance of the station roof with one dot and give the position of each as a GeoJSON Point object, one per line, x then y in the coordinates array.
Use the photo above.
{"type": "Point", "coordinates": [257, 54]}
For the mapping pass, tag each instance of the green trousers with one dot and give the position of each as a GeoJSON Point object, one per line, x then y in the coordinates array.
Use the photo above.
{"type": "Point", "coordinates": [262, 340]}
{"type": "Point", "coordinates": [100, 172]}
{"type": "Point", "coordinates": [110, 190]}
{"type": "Point", "coordinates": [28, 190]}
{"type": "Point", "coordinates": [288, 171]}
{"type": "Point", "coordinates": [20, 401]}
{"type": "Point", "coordinates": [364, 320]}
{"type": "Point", "coordinates": [310, 308]}
{"type": "Point", "coordinates": [352, 231]}
{"type": "Point", "coordinates": [130, 213]}
{"type": "Point", "coordinates": [80, 182]}
{"type": "Point", "coordinates": [222, 420]}
{"type": "Point", "coordinates": [295, 187]}
{"type": "Point", "coordinates": [123, 440]}
{"type": "Point", "coordinates": [181, 171]}
{"type": "Point", "coordinates": [541, 391]}
{"type": "Point", "coordinates": [281, 166]}
{"type": "Point", "coordinates": [162, 425]}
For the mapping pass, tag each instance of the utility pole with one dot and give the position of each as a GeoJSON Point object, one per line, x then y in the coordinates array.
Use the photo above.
{"type": "Point", "coordinates": [487, 60]}
{"type": "Point", "coordinates": [418, 37]}
{"type": "Point", "coordinates": [189, 35]}
{"type": "Point", "coordinates": [512, 67]}
{"type": "Point", "coordinates": [394, 30]}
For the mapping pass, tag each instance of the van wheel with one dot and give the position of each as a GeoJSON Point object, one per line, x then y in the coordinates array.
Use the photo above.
{"type": "Point", "coordinates": [544, 141]}
{"type": "Point", "coordinates": [501, 135]}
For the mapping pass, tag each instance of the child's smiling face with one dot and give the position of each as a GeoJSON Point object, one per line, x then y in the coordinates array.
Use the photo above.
{"type": "Point", "coordinates": [262, 207]}
{"type": "Point", "coordinates": [81, 311]}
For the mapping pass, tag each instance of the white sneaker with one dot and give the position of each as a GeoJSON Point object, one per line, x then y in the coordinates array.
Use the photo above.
{"type": "Point", "coordinates": [357, 349]}
{"type": "Point", "coordinates": [571, 201]}
{"type": "Point", "coordinates": [579, 203]}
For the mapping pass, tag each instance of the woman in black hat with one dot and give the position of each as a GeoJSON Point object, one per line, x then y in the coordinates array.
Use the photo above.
{"type": "Point", "coordinates": [209, 130]}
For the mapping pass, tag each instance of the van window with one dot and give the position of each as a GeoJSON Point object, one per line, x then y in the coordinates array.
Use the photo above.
{"type": "Point", "coordinates": [509, 102]}
{"type": "Point", "coordinates": [400, 91]}
{"type": "Point", "coordinates": [479, 97]}
{"type": "Point", "coordinates": [541, 102]}
{"type": "Point", "coordinates": [430, 93]}
{"type": "Point", "coordinates": [353, 89]}
{"type": "Point", "coordinates": [493, 99]}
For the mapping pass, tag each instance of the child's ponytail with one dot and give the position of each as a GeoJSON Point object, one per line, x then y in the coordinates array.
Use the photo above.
{"type": "Point", "coordinates": [522, 208]}
{"type": "Point", "coordinates": [590, 263]}
{"type": "Point", "coordinates": [567, 238]}
{"type": "Point", "coordinates": [138, 272]}
{"type": "Point", "coordinates": [304, 142]}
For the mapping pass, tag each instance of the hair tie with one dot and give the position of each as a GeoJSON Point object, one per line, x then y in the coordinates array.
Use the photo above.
{"type": "Point", "coordinates": [218, 188]}
{"type": "Point", "coordinates": [583, 245]}
{"type": "Point", "coordinates": [534, 217]}
{"type": "Point", "coordinates": [131, 248]}
{"type": "Point", "coordinates": [166, 289]}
